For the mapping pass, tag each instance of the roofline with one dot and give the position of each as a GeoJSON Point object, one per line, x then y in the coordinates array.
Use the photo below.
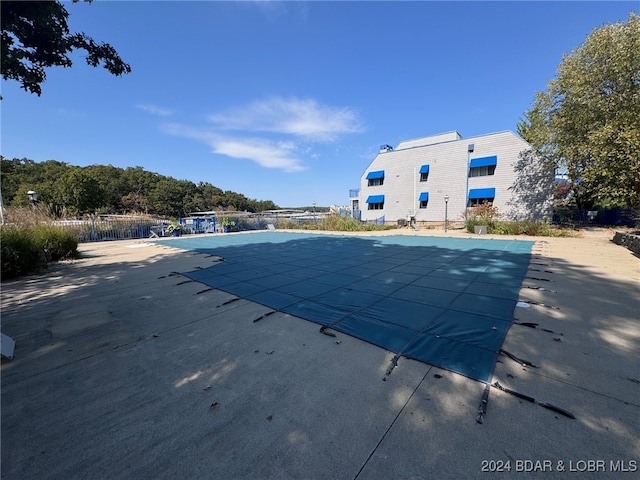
{"type": "Point", "coordinates": [452, 141]}
{"type": "Point", "coordinates": [434, 135]}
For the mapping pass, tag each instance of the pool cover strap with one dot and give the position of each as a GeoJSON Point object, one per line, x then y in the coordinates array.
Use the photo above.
{"type": "Point", "coordinates": [549, 406]}
{"type": "Point", "coordinates": [524, 363]}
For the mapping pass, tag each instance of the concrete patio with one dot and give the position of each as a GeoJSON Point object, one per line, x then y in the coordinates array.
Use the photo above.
{"type": "Point", "coordinates": [124, 369]}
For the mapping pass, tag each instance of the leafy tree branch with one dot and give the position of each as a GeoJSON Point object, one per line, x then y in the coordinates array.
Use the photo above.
{"type": "Point", "coordinates": [36, 36]}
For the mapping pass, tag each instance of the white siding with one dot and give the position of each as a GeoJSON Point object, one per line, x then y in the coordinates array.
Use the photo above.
{"type": "Point", "coordinates": [424, 141]}
{"type": "Point", "coordinates": [447, 176]}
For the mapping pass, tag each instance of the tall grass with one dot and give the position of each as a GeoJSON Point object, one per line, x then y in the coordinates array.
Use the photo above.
{"type": "Point", "coordinates": [19, 254]}
{"type": "Point", "coordinates": [338, 223]}
{"type": "Point", "coordinates": [27, 246]}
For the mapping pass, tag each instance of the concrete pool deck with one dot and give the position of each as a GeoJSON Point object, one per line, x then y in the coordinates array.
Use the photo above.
{"type": "Point", "coordinates": [123, 369]}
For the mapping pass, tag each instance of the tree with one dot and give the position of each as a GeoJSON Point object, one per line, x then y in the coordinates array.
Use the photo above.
{"type": "Point", "coordinates": [111, 182]}
{"type": "Point", "coordinates": [587, 123]}
{"type": "Point", "coordinates": [35, 36]}
{"type": "Point", "coordinates": [64, 189]}
{"type": "Point", "coordinates": [170, 195]}
{"type": "Point", "coordinates": [79, 192]}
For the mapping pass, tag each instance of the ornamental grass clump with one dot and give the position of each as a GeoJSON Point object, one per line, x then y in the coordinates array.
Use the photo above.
{"type": "Point", "coordinates": [28, 249]}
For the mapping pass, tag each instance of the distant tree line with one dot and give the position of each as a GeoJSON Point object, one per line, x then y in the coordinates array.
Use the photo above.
{"type": "Point", "coordinates": [67, 190]}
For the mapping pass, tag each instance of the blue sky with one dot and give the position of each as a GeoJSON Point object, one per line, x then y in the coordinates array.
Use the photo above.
{"type": "Point", "coordinates": [290, 101]}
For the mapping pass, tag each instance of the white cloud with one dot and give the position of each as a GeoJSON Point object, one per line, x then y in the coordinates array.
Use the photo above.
{"type": "Point", "coordinates": [155, 110]}
{"type": "Point", "coordinates": [304, 118]}
{"type": "Point", "coordinates": [276, 10]}
{"type": "Point", "coordinates": [280, 123]}
{"type": "Point", "coordinates": [271, 9]}
{"type": "Point", "coordinates": [266, 153]}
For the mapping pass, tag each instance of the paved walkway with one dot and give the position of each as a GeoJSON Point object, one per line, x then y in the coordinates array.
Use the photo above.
{"type": "Point", "coordinates": [123, 370]}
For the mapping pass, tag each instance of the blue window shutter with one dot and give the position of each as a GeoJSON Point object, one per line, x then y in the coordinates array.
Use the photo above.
{"type": "Point", "coordinates": [424, 197]}
{"type": "Point", "coordinates": [424, 169]}
{"type": "Point", "coordinates": [375, 199]}
{"type": "Point", "coordinates": [376, 174]}
{"type": "Point", "coordinates": [483, 162]}
{"type": "Point", "coordinates": [482, 193]}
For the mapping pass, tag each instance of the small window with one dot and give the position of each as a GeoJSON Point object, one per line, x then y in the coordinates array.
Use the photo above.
{"type": "Point", "coordinates": [475, 202]}
{"type": "Point", "coordinates": [480, 196]}
{"type": "Point", "coordinates": [482, 171]}
{"type": "Point", "coordinates": [423, 199]}
{"type": "Point", "coordinates": [375, 178]}
{"type": "Point", "coordinates": [424, 173]}
{"type": "Point", "coordinates": [376, 206]}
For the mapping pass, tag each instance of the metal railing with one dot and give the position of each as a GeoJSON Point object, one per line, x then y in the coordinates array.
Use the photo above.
{"type": "Point", "coordinates": [99, 230]}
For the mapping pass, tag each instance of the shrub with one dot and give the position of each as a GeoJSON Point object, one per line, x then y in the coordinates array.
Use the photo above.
{"type": "Point", "coordinates": [18, 251]}
{"type": "Point", "coordinates": [527, 227]}
{"type": "Point", "coordinates": [506, 228]}
{"type": "Point", "coordinates": [56, 243]}
{"type": "Point", "coordinates": [485, 214]}
{"type": "Point", "coordinates": [333, 222]}
{"type": "Point", "coordinates": [286, 224]}
{"type": "Point", "coordinates": [28, 248]}
{"type": "Point", "coordinates": [340, 224]}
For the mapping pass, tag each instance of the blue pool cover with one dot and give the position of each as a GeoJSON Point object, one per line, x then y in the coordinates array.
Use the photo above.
{"type": "Point", "coordinates": [447, 302]}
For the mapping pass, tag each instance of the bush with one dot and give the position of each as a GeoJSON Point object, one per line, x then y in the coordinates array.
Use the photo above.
{"type": "Point", "coordinates": [488, 215]}
{"type": "Point", "coordinates": [56, 243]}
{"type": "Point", "coordinates": [338, 223]}
{"type": "Point", "coordinates": [485, 214]}
{"type": "Point", "coordinates": [18, 252]}
{"type": "Point", "coordinates": [525, 227]}
{"type": "Point", "coordinates": [28, 248]}
{"type": "Point", "coordinates": [334, 223]}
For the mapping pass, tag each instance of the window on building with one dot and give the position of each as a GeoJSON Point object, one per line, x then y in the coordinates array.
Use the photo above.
{"type": "Point", "coordinates": [481, 167]}
{"type": "Point", "coordinates": [474, 202]}
{"type": "Point", "coordinates": [482, 171]}
{"type": "Point", "coordinates": [375, 202]}
{"type": "Point", "coordinates": [423, 199]}
{"type": "Point", "coordinates": [480, 196]}
{"type": "Point", "coordinates": [424, 173]}
{"type": "Point", "coordinates": [375, 179]}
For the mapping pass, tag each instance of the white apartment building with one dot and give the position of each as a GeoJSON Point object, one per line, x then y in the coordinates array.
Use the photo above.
{"type": "Point", "coordinates": [422, 178]}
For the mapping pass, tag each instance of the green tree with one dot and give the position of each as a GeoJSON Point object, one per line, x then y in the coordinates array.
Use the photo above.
{"type": "Point", "coordinates": [35, 36]}
{"type": "Point", "coordinates": [112, 183]}
{"type": "Point", "coordinates": [138, 184]}
{"type": "Point", "coordinates": [79, 192]}
{"type": "Point", "coordinates": [587, 122]}
{"type": "Point", "coordinates": [20, 175]}
{"type": "Point", "coordinates": [9, 178]}
{"type": "Point", "coordinates": [70, 190]}
{"type": "Point", "coordinates": [169, 196]}
{"type": "Point", "coordinates": [209, 197]}
{"type": "Point", "coordinates": [262, 205]}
